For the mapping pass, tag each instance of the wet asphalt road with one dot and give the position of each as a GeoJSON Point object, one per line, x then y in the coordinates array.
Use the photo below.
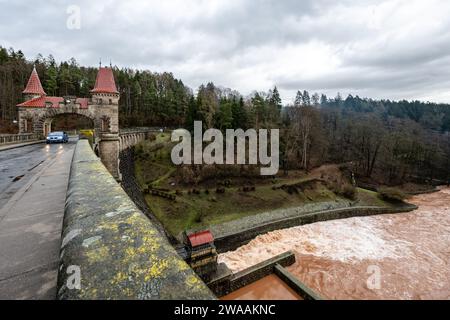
{"type": "Point", "coordinates": [33, 186]}
{"type": "Point", "coordinates": [18, 166]}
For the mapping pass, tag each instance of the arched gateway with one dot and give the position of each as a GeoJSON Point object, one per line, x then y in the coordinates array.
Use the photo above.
{"type": "Point", "coordinates": [38, 110]}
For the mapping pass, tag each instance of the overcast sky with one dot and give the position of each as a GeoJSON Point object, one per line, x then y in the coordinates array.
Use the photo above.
{"type": "Point", "coordinates": [381, 49]}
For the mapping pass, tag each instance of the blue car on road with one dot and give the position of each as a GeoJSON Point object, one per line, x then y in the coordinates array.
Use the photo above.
{"type": "Point", "coordinates": [57, 137]}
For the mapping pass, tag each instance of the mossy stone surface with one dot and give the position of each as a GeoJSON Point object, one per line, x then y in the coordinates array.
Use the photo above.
{"type": "Point", "coordinates": [120, 253]}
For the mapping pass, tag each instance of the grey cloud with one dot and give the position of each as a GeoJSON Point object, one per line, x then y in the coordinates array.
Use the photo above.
{"type": "Point", "coordinates": [378, 83]}
{"type": "Point", "coordinates": [239, 44]}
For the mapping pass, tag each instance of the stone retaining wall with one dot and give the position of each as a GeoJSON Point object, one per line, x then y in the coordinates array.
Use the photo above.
{"type": "Point", "coordinates": [300, 288]}
{"type": "Point", "coordinates": [260, 270]}
{"type": "Point", "coordinates": [131, 187]}
{"type": "Point", "coordinates": [252, 274]}
{"type": "Point", "coordinates": [116, 251]}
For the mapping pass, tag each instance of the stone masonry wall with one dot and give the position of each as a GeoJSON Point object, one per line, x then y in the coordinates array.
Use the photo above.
{"type": "Point", "coordinates": [119, 252]}
{"type": "Point", "coordinates": [131, 187]}
{"type": "Point", "coordinates": [245, 277]}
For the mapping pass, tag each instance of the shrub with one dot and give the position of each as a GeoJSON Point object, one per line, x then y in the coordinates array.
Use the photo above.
{"type": "Point", "coordinates": [138, 150]}
{"type": "Point", "coordinates": [391, 194]}
{"type": "Point", "coordinates": [206, 172]}
{"type": "Point", "coordinates": [186, 175]}
{"type": "Point", "coordinates": [341, 187]}
{"type": "Point", "coordinates": [198, 217]}
{"type": "Point", "coordinates": [292, 189]}
{"type": "Point", "coordinates": [220, 190]}
{"type": "Point", "coordinates": [348, 191]}
{"type": "Point", "coordinates": [8, 127]}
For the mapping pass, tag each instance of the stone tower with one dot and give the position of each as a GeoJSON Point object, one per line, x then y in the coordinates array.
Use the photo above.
{"type": "Point", "coordinates": [38, 110]}
{"type": "Point", "coordinates": [33, 93]}
{"type": "Point", "coordinates": [105, 98]}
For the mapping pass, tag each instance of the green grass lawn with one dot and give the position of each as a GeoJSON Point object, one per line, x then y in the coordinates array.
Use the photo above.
{"type": "Point", "coordinates": [154, 168]}
{"type": "Point", "coordinates": [197, 210]}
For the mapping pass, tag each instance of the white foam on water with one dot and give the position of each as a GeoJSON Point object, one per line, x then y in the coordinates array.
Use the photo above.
{"type": "Point", "coordinates": [341, 240]}
{"type": "Point", "coordinates": [346, 240]}
{"type": "Point", "coordinates": [411, 250]}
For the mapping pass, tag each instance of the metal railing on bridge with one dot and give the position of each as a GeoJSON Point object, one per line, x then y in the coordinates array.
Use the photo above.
{"type": "Point", "coordinates": [18, 138]}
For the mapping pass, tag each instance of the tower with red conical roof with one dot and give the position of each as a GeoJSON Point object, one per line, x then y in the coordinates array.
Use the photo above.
{"type": "Point", "coordinates": [105, 90]}
{"type": "Point", "coordinates": [34, 87]}
{"type": "Point", "coordinates": [104, 83]}
{"type": "Point", "coordinates": [38, 110]}
{"type": "Point", "coordinates": [105, 97]}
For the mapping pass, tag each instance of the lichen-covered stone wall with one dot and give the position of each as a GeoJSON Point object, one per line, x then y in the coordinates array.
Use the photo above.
{"type": "Point", "coordinates": [118, 251]}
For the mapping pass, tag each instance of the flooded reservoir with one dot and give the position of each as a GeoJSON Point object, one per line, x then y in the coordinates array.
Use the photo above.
{"type": "Point", "coordinates": [392, 256]}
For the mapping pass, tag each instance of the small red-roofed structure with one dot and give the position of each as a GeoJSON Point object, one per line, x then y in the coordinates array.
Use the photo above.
{"type": "Point", "coordinates": [201, 238]}
{"type": "Point", "coordinates": [201, 252]}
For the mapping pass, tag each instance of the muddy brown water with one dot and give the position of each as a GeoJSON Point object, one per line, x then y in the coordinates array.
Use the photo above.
{"type": "Point", "coordinates": [268, 288]}
{"type": "Point", "coordinates": [393, 256]}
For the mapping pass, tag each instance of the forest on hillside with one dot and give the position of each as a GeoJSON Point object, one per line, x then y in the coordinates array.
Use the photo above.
{"type": "Point", "coordinates": [387, 141]}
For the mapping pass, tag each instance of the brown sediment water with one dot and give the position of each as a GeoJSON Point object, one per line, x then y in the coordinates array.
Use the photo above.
{"type": "Point", "coordinates": [391, 256]}
{"type": "Point", "coordinates": [267, 288]}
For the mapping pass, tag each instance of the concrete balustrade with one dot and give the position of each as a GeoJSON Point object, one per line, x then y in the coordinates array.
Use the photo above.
{"type": "Point", "coordinates": [18, 138]}
{"type": "Point", "coordinates": [130, 138]}
{"type": "Point", "coordinates": [111, 246]}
